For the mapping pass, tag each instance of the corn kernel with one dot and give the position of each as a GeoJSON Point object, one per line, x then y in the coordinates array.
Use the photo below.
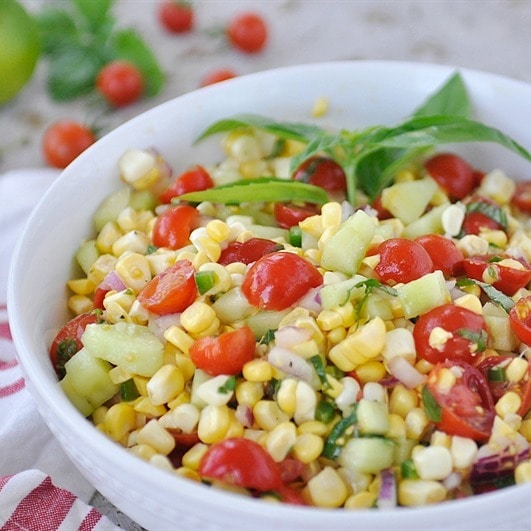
{"type": "Point", "coordinates": [134, 271]}
{"type": "Point", "coordinates": [336, 335]}
{"type": "Point", "coordinates": [183, 417]}
{"type": "Point", "coordinates": [144, 451]}
{"type": "Point", "coordinates": [327, 489]}
{"type": "Point", "coordinates": [133, 241]}
{"type": "Point", "coordinates": [81, 286]}
{"type": "Point", "coordinates": [198, 317]}
{"type": "Point", "coordinates": [179, 338]}
{"type": "Point", "coordinates": [397, 427]}
{"type": "Point", "coordinates": [308, 447]}
{"type": "Point", "coordinates": [213, 424]}
{"type": "Point", "coordinates": [402, 400]}
{"type": "Point", "coordinates": [320, 107]}
{"type": "Point", "coordinates": [329, 319]}
{"type": "Point", "coordinates": [314, 427]}
{"type": "Point", "coordinates": [509, 403]}
{"type": "Point", "coordinates": [417, 492]}
{"type": "Point", "coordinates": [371, 371]}
{"type": "Point", "coordinates": [144, 405]}
{"type": "Point", "coordinates": [108, 234]}
{"type": "Point", "coordinates": [103, 265]}
{"type": "Point", "coordinates": [280, 440]}
{"type": "Point", "coordinates": [433, 462]}
{"type": "Point", "coordinates": [79, 304]}
{"type": "Point", "coordinates": [361, 500]}
{"type": "Point", "coordinates": [119, 420]}
{"type": "Point", "coordinates": [165, 384]}
{"type": "Point", "coordinates": [249, 393]}
{"type": "Point", "coordinates": [516, 370]}
{"type": "Point", "coordinates": [98, 415]}
{"type": "Point", "coordinates": [522, 474]}
{"type": "Point", "coordinates": [416, 423]}
{"type": "Point", "coordinates": [525, 429]}
{"type": "Point", "coordinates": [464, 451]}
{"type": "Point", "coordinates": [267, 414]}
{"type": "Point", "coordinates": [286, 396]}
{"type": "Point", "coordinates": [305, 403]}
{"type": "Point", "coordinates": [192, 458]}
{"type": "Point", "coordinates": [187, 473]}
{"type": "Point", "coordinates": [156, 436]}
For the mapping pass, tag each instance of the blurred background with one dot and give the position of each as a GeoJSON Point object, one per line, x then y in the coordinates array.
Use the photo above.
{"type": "Point", "coordinates": [491, 35]}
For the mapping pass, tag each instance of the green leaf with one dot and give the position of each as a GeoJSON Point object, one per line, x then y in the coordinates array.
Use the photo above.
{"type": "Point", "coordinates": [495, 295]}
{"type": "Point", "coordinates": [490, 210]}
{"type": "Point", "coordinates": [319, 367]}
{"type": "Point", "coordinates": [451, 98]}
{"type": "Point", "coordinates": [332, 447]}
{"type": "Point", "coordinates": [55, 27]}
{"type": "Point", "coordinates": [259, 190]}
{"type": "Point", "coordinates": [228, 386]}
{"type": "Point", "coordinates": [128, 45]}
{"type": "Point", "coordinates": [431, 406]}
{"type": "Point", "coordinates": [479, 337]}
{"type": "Point", "coordinates": [95, 13]}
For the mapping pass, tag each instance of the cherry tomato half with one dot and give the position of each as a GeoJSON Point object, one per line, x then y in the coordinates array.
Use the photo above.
{"type": "Point", "coordinates": [176, 16]}
{"type": "Point", "coordinates": [460, 334]}
{"type": "Point", "coordinates": [467, 408]}
{"type": "Point", "coordinates": [248, 32]}
{"type": "Point", "coordinates": [323, 172]}
{"type": "Point", "coordinates": [402, 260]}
{"type": "Point", "coordinates": [443, 252]}
{"type": "Point", "coordinates": [247, 252]}
{"type": "Point", "coordinates": [173, 227]}
{"type": "Point", "coordinates": [522, 197]}
{"type": "Point", "coordinates": [120, 83]}
{"type": "Point", "coordinates": [509, 279]}
{"type": "Point", "coordinates": [192, 180]}
{"type": "Point", "coordinates": [453, 174]}
{"type": "Point", "coordinates": [171, 291]}
{"type": "Point", "coordinates": [475, 221]}
{"type": "Point", "coordinates": [520, 319]}
{"type": "Point", "coordinates": [289, 214]}
{"type": "Point", "coordinates": [68, 340]}
{"type": "Point", "coordinates": [224, 354]}
{"type": "Point", "coordinates": [278, 280]}
{"type": "Point", "coordinates": [216, 76]}
{"type": "Point", "coordinates": [63, 141]}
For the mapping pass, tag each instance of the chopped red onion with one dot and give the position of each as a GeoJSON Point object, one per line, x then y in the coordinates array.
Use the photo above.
{"type": "Point", "coordinates": [387, 492]}
{"type": "Point", "coordinates": [453, 481]}
{"type": "Point", "coordinates": [311, 301]}
{"type": "Point", "coordinates": [292, 364]}
{"type": "Point", "coordinates": [288, 336]}
{"type": "Point", "coordinates": [112, 281]}
{"type": "Point", "coordinates": [159, 324]}
{"type": "Point", "coordinates": [244, 415]}
{"type": "Point", "coordinates": [491, 464]}
{"type": "Point", "coordinates": [401, 369]}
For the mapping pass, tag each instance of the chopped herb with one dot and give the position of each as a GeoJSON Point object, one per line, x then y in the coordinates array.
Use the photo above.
{"type": "Point", "coordinates": [268, 337]}
{"type": "Point", "coordinates": [496, 374]}
{"type": "Point", "coordinates": [491, 210]}
{"type": "Point", "coordinates": [431, 406]}
{"type": "Point", "coordinates": [479, 337]}
{"type": "Point", "coordinates": [408, 470]}
{"type": "Point", "coordinates": [495, 295]}
{"type": "Point", "coordinates": [65, 350]}
{"type": "Point", "coordinates": [325, 412]}
{"type": "Point", "coordinates": [151, 249]}
{"type": "Point", "coordinates": [370, 285]}
{"type": "Point", "coordinates": [228, 386]}
{"type": "Point", "coordinates": [128, 390]}
{"type": "Point", "coordinates": [333, 445]}
{"type": "Point", "coordinates": [319, 367]}
{"type": "Point", "coordinates": [205, 281]}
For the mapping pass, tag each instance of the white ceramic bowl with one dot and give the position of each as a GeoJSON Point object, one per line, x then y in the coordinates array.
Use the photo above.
{"type": "Point", "coordinates": [360, 94]}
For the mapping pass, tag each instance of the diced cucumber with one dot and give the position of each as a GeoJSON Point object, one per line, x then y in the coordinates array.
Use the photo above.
{"type": "Point", "coordinates": [403, 449]}
{"type": "Point", "coordinates": [79, 402]}
{"type": "Point", "coordinates": [408, 200]}
{"type": "Point", "coordinates": [345, 250]}
{"type": "Point", "coordinates": [429, 223]}
{"type": "Point", "coordinates": [86, 255]}
{"type": "Point", "coordinates": [367, 454]}
{"type": "Point", "coordinates": [142, 200]}
{"type": "Point", "coordinates": [233, 306]}
{"type": "Point", "coordinates": [260, 323]}
{"type": "Point", "coordinates": [501, 336]}
{"type": "Point", "coordinates": [89, 377]}
{"type": "Point", "coordinates": [373, 417]}
{"type": "Point", "coordinates": [270, 233]}
{"type": "Point", "coordinates": [132, 347]}
{"type": "Point", "coordinates": [377, 306]}
{"type": "Point", "coordinates": [339, 293]}
{"type": "Point", "coordinates": [111, 207]}
{"type": "Point", "coordinates": [420, 296]}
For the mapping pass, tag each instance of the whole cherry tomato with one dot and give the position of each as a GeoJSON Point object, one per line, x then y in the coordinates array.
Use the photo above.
{"type": "Point", "coordinates": [323, 172]}
{"type": "Point", "coordinates": [522, 197]}
{"type": "Point", "coordinates": [460, 334]}
{"type": "Point", "coordinates": [520, 319]}
{"type": "Point", "coordinates": [482, 214]}
{"type": "Point", "coordinates": [509, 279]}
{"type": "Point", "coordinates": [247, 252]}
{"type": "Point", "coordinates": [248, 32]}
{"type": "Point", "coordinates": [278, 280]}
{"type": "Point", "coordinates": [382, 212]}
{"type": "Point", "coordinates": [171, 291]}
{"type": "Point", "coordinates": [467, 408]}
{"type": "Point", "coordinates": [176, 16]}
{"type": "Point", "coordinates": [224, 354]}
{"type": "Point", "coordinates": [193, 180]}
{"type": "Point", "coordinates": [173, 227]}
{"type": "Point", "coordinates": [475, 221]}
{"type": "Point", "coordinates": [453, 174]}
{"type": "Point", "coordinates": [221, 74]}
{"type": "Point", "coordinates": [443, 252]}
{"type": "Point", "coordinates": [64, 140]}
{"type": "Point", "coordinates": [402, 260]}
{"type": "Point", "coordinates": [120, 83]}
{"type": "Point", "coordinates": [68, 341]}
{"type": "Point", "coordinates": [290, 214]}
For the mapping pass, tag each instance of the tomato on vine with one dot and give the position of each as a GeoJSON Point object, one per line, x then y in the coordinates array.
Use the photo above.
{"type": "Point", "coordinates": [248, 32]}
{"type": "Point", "coordinates": [120, 83]}
{"type": "Point", "coordinates": [216, 76]}
{"type": "Point", "coordinates": [176, 16]}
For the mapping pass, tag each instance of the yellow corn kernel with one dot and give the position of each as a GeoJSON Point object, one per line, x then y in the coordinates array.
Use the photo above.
{"type": "Point", "coordinates": [117, 305]}
{"type": "Point", "coordinates": [423, 366]}
{"type": "Point", "coordinates": [525, 429]}
{"type": "Point", "coordinates": [464, 451]}
{"type": "Point", "coordinates": [347, 313]}
{"type": "Point", "coordinates": [144, 451]}
{"type": "Point", "coordinates": [361, 500]}
{"type": "Point", "coordinates": [218, 230]}
{"type": "Point", "coordinates": [144, 405]}
{"type": "Point", "coordinates": [517, 369]}
{"type": "Point", "coordinates": [235, 428]}
{"type": "Point", "coordinates": [286, 396]}
{"type": "Point", "coordinates": [308, 447]}
{"type": "Point", "coordinates": [337, 335]}
{"type": "Point", "coordinates": [192, 458]}
{"type": "Point", "coordinates": [108, 234]}
{"type": "Point", "coordinates": [98, 415]}
{"type": "Point", "coordinates": [306, 402]}
{"type": "Point", "coordinates": [327, 489]}
{"type": "Point", "coordinates": [312, 225]}
{"type": "Point", "coordinates": [242, 146]}
{"type": "Point", "coordinates": [127, 219]}
{"type": "Point", "coordinates": [213, 424]}
{"type": "Point", "coordinates": [119, 375]}
{"type": "Point", "coordinates": [79, 304]}
{"type": "Point", "coordinates": [156, 436]}
{"type": "Point", "coordinates": [185, 364]}
{"type": "Point", "coordinates": [439, 438]}
{"type": "Point", "coordinates": [209, 247]}
{"type": "Point", "coordinates": [162, 462]}
{"type": "Point", "coordinates": [509, 403]}
{"type": "Point", "coordinates": [371, 371]}
{"type": "Point", "coordinates": [251, 169]}
{"type": "Point", "coordinates": [119, 420]}
{"type": "Point", "coordinates": [331, 215]}
{"type": "Point", "coordinates": [187, 473]}
{"type": "Point", "coordinates": [280, 440]}
{"type": "Point", "coordinates": [134, 271]}
{"type": "Point", "coordinates": [267, 414]}
{"type": "Point", "coordinates": [397, 427]}
{"type": "Point", "coordinates": [141, 384]}
{"type": "Point", "coordinates": [445, 380]}
{"type": "Point", "coordinates": [223, 278]}
{"type": "Point", "coordinates": [417, 492]}
{"type": "Point", "coordinates": [198, 317]}
{"type": "Point", "coordinates": [314, 427]}
{"type": "Point", "coordinates": [494, 237]}
{"type": "Point", "coordinates": [320, 107]}
{"type": "Point", "coordinates": [433, 462]}
{"type": "Point", "coordinates": [522, 474]}
{"type": "Point", "coordinates": [103, 265]}
{"type": "Point", "coordinates": [160, 260]}
{"type": "Point", "coordinates": [182, 417]}
{"type": "Point", "coordinates": [249, 393]}
{"type": "Point", "coordinates": [470, 302]}
{"type": "Point", "coordinates": [329, 319]}
{"type": "Point", "coordinates": [416, 423]}
{"type": "Point", "coordinates": [165, 384]}
{"type": "Point", "coordinates": [182, 398]}
{"type": "Point", "coordinates": [402, 400]}
{"type": "Point", "coordinates": [178, 338]}
{"type": "Point", "coordinates": [133, 241]}
{"type": "Point", "coordinates": [81, 286]}
{"type": "Point", "coordinates": [334, 387]}
{"type": "Point", "coordinates": [258, 370]}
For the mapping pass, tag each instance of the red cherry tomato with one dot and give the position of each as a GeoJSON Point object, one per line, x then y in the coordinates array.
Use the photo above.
{"type": "Point", "coordinates": [522, 197]}
{"type": "Point", "coordinates": [467, 409]}
{"type": "Point", "coordinates": [120, 83]}
{"type": "Point", "coordinates": [402, 260]}
{"type": "Point", "coordinates": [176, 16]}
{"type": "Point", "coordinates": [192, 180]}
{"type": "Point", "coordinates": [443, 252]}
{"type": "Point", "coordinates": [475, 221]}
{"type": "Point", "coordinates": [510, 279]}
{"type": "Point", "coordinates": [382, 212]}
{"type": "Point", "coordinates": [63, 141]}
{"type": "Point", "coordinates": [171, 291]}
{"type": "Point", "coordinates": [173, 227]}
{"type": "Point", "coordinates": [248, 32]}
{"type": "Point", "coordinates": [222, 74]}
{"type": "Point", "coordinates": [289, 214]}
{"type": "Point", "coordinates": [323, 172]}
{"type": "Point", "coordinates": [453, 174]}
{"type": "Point", "coordinates": [224, 354]}
{"type": "Point", "coordinates": [278, 280]}
{"type": "Point", "coordinates": [520, 319]}
{"type": "Point", "coordinates": [68, 340]}
{"type": "Point", "coordinates": [468, 334]}
{"type": "Point", "coordinates": [248, 252]}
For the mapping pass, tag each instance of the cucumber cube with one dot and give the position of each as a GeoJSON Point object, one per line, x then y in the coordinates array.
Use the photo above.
{"type": "Point", "coordinates": [367, 454]}
{"type": "Point", "coordinates": [373, 417]}
{"type": "Point", "coordinates": [429, 223]}
{"type": "Point", "coordinates": [79, 401]}
{"type": "Point", "coordinates": [111, 207]}
{"type": "Point", "coordinates": [339, 293]}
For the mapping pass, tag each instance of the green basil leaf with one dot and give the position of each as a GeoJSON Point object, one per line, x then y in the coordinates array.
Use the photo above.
{"type": "Point", "coordinates": [55, 27]}
{"type": "Point", "coordinates": [479, 337]}
{"type": "Point", "coordinates": [128, 45]}
{"type": "Point", "coordinates": [490, 210]}
{"type": "Point", "coordinates": [228, 386]}
{"type": "Point", "coordinates": [332, 447]}
{"type": "Point", "coordinates": [431, 406]}
{"type": "Point", "coordinates": [451, 98]}
{"type": "Point", "coordinates": [259, 190]}
{"type": "Point", "coordinates": [95, 13]}
{"type": "Point", "coordinates": [495, 295]}
{"type": "Point", "coordinates": [319, 367]}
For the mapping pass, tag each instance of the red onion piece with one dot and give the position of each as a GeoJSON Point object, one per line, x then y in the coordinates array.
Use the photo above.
{"type": "Point", "coordinates": [112, 281]}
{"type": "Point", "coordinates": [401, 369]}
{"type": "Point", "coordinates": [491, 464]}
{"type": "Point", "coordinates": [159, 324]}
{"type": "Point", "coordinates": [244, 415]}
{"type": "Point", "coordinates": [292, 364]}
{"type": "Point", "coordinates": [453, 481]}
{"type": "Point", "coordinates": [288, 336]}
{"type": "Point", "coordinates": [311, 301]}
{"type": "Point", "coordinates": [387, 492]}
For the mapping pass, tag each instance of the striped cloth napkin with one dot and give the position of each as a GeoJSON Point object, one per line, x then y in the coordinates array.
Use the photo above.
{"type": "Point", "coordinates": [40, 488]}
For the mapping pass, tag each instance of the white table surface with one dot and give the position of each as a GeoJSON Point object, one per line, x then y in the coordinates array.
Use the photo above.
{"type": "Point", "coordinates": [491, 35]}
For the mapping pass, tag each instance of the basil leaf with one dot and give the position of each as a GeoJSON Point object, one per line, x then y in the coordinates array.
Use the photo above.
{"type": "Point", "coordinates": [259, 190]}
{"type": "Point", "coordinates": [431, 406]}
{"type": "Point", "coordinates": [55, 27]}
{"type": "Point", "coordinates": [228, 386]}
{"type": "Point", "coordinates": [371, 283]}
{"type": "Point", "coordinates": [94, 12]}
{"type": "Point", "coordinates": [332, 447]}
{"type": "Point", "coordinates": [128, 45]}
{"type": "Point", "coordinates": [490, 210]}
{"type": "Point", "coordinates": [492, 293]}
{"type": "Point", "coordinates": [319, 367]}
{"type": "Point", "coordinates": [479, 337]}
{"type": "Point", "coordinates": [451, 98]}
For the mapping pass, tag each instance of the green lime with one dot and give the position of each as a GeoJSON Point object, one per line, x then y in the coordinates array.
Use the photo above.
{"type": "Point", "coordinates": [19, 48]}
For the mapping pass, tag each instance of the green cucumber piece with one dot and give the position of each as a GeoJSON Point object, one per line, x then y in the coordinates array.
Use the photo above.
{"type": "Point", "coordinates": [79, 401]}
{"type": "Point", "coordinates": [429, 223]}
{"type": "Point", "coordinates": [339, 293]}
{"type": "Point", "coordinates": [111, 207]}
{"type": "Point", "coordinates": [367, 454]}
{"type": "Point", "coordinates": [373, 417]}
{"type": "Point", "coordinates": [86, 255]}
